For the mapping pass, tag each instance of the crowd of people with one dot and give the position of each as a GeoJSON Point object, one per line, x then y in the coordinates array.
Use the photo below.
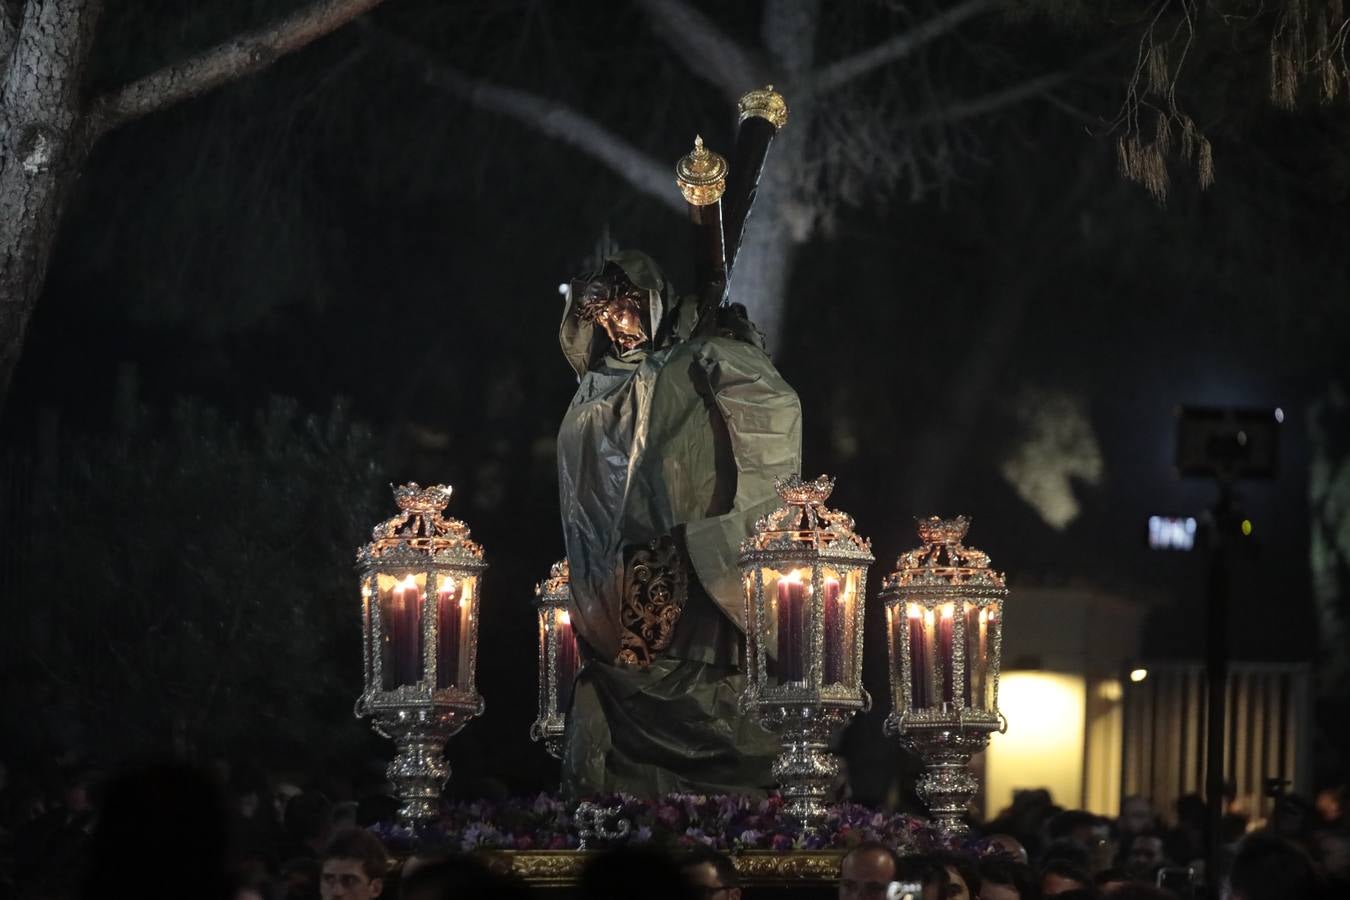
{"type": "Point", "coordinates": [175, 831]}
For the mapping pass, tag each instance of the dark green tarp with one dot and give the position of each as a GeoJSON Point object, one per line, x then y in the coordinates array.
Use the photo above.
{"type": "Point", "coordinates": [678, 441]}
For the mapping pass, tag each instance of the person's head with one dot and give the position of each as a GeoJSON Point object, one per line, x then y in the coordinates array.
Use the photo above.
{"type": "Point", "coordinates": [1293, 816]}
{"type": "Point", "coordinates": [1010, 846]}
{"type": "Point", "coordinates": [1061, 876]}
{"type": "Point", "coordinates": [1069, 851]}
{"type": "Point", "coordinates": [926, 871]}
{"type": "Point", "coordinates": [1110, 879]}
{"type": "Point", "coordinates": [460, 877]}
{"type": "Point", "coordinates": [1002, 879]}
{"type": "Point", "coordinates": [627, 872]}
{"type": "Point", "coordinates": [1074, 824]}
{"type": "Point", "coordinates": [867, 870]}
{"type": "Point", "coordinates": [1330, 803]}
{"type": "Point", "coordinates": [1136, 815]}
{"type": "Point", "coordinates": [963, 877]}
{"type": "Point", "coordinates": [1145, 854]}
{"type": "Point", "coordinates": [185, 811]}
{"type": "Point", "coordinates": [1268, 867]}
{"type": "Point", "coordinates": [309, 818]}
{"type": "Point", "coordinates": [712, 875]}
{"type": "Point", "coordinates": [352, 866]}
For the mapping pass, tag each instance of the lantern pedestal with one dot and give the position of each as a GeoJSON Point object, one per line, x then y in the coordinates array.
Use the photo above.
{"type": "Point", "coordinates": [805, 769]}
{"type": "Point", "coordinates": [946, 785]}
{"type": "Point", "coordinates": [419, 771]}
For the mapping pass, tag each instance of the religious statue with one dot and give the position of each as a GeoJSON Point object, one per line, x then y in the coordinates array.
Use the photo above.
{"type": "Point", "coordinates": [666, 458]}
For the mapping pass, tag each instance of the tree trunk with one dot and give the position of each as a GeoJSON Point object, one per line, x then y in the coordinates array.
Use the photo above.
{"type": "Point", "coordinates": [780, 221]}
{"type": "Point", "coordinates": [43, 143]}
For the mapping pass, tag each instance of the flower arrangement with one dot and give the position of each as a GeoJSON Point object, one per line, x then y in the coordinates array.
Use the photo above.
{"type": "Point", "coordinates": [725, 822]}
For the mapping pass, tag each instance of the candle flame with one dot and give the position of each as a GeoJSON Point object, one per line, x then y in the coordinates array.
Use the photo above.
{"type": "Point", "coordinates": [984, 616]}
{"type": "Point", "coordinates": [795, 576]}
{"type": "Point", "coordinates": [947, 611]}
{"type": "Point", "coordinates": [447, 584]}
{"type": "Point", "coordinates": [409, 583]}
{"type": "Point", "coordinates": [565, 617]}
{"type": "Point", "coordinates": [928, 617]}
{"type": "Point", "coordinates": [914, 611]}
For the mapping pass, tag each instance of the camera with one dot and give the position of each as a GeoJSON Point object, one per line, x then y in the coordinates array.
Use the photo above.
{"type": "Point", "coordinates": [904, 890]}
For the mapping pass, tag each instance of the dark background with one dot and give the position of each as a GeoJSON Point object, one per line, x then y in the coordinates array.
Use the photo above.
{"type": "Point", "coordinates": [178, 562]}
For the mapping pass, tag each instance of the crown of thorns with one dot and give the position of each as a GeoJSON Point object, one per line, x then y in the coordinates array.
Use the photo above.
{"type": "Point", "coordinates": [598, 294]}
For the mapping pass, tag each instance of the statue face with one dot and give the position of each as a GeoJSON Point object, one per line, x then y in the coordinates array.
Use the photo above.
{"type": "Point", "coordinates": [622, 321]}
{"type": "Point", "coordinates": [618, 311]}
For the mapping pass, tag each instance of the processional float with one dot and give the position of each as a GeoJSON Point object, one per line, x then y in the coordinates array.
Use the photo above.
{"type": "Point", "coordinates": [797, 575]}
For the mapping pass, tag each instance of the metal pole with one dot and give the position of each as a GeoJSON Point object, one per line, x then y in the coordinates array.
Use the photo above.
{"type": "Point", "coordinates": [1216, 675]}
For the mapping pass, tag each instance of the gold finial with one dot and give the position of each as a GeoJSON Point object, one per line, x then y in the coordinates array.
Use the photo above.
{"type": "Point", "coordinates": [701, 175]}
{"type": "Point", "coordinates": [765, 103]}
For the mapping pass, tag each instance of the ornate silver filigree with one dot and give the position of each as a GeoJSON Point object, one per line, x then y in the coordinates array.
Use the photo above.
{"type": "Point", "coordinates": [818, 546]}
{"type": "Point", "coordinates": [553, 597]}
{"type": "Point", "coordinates": [592, 821]}
{"type": "Point", "coordinates": [422, 545]}
{"type": "Point", "coordinates": [956, 676]}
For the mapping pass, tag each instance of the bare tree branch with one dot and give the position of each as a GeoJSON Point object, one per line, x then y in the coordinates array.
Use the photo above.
{"type": "Point", "coordinates": [548, 117]}
{"type": "Point", "coordinates": [841, 72]}
{"type": "Point", "coordinates": [994, 101]}
{"type": "Point", "coordinates": [705, 49]}
{"type": "Point", "coordinates": [239, 56]}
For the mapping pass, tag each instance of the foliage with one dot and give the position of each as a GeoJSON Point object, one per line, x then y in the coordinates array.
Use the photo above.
{"type": "Point", "coordinates": [1187, 49]}
{"type": "Point", "coordinates": [190, 584]}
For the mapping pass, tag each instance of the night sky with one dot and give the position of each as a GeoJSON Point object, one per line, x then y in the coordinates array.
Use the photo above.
{"type": "Point", "coordinates": [336, 227]}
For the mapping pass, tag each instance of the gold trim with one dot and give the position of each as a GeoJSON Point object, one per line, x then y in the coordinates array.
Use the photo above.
{"type": "Point", "coordinates": [756, 867]}
{"type": "Point", "coordinates": [701, 175]}
{"type": "Point", "coordinates": [765, 103]}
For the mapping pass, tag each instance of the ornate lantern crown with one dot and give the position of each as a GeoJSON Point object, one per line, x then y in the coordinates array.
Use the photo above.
{"type": "Point", "coordinates": [420, 528]}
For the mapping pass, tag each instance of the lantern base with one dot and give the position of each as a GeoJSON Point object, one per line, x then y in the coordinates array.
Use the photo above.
{"type": "Point", "coordinates": [947, 784]}
{"type": "Point", "coordinates": [419, 728]}
{"type": "Point", "coordinates": [806, 770]}
{"type": "Point", "coordinates": [418, 773]}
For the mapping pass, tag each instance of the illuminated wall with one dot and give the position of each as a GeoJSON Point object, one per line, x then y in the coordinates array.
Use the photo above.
{"type": "Point", "coordinates": [1044, 746]}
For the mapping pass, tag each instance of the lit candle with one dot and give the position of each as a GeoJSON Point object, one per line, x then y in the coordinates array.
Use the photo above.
{"type": "Point", "coordinates": [791, 620]}
{"type": "Point", "coordinates": [404, 623]}
{"type": "Point", "coordinates": [567, 659]}
{"type": "Point", "coordinates": [466, 606]}
{"type": "Point", "coordinates": [448, 615]}
{"type": "Point", "coordinates": [945, 641]}
{"type": "Point", "coordinates": [931, 661]}
{"type": "Point", "coordinates": [834, 633]}
{"type": "Point", "coordinates": [918, 677]}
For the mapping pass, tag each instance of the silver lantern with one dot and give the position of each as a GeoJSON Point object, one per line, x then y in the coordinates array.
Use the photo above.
{"type": "Point", "coordinates": [419, 605]}
{"type": "Point", "coordinates": [944, 620]}
{"type": "Point", "coordinates": [805, 574]}
{"type": "Point", "coordinates": [557, 657]}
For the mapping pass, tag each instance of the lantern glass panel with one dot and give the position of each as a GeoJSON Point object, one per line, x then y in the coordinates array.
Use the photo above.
{"type": "Point", "coordinates": [980, 622]}
{"type": "Point", "coordinates": [788, 610]}
{"type": "Point", "coordinates": [839, 608]}
{"type": "Point", "coordinates": [455, 609]}
{"type": "Point", "coordinates": [565, 662]}
{"type": "Point", "coordinates": [367, 650]}
{"type": "Point", "coordinates": [400, 629]}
